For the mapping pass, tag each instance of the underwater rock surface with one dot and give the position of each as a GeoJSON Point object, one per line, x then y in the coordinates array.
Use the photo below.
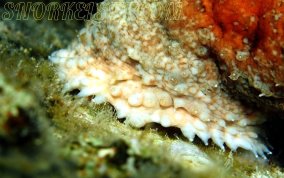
{"type": "Point", "coordinates": [82, 139]}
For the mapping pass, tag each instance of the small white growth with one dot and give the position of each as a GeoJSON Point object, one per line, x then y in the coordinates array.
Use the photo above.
{"type": "Point", "coordinates": [135, 99]}
{"type": "Point", "coordinates": [59, 56]}
{"type": "Point", "coordinates": [115, 91]}
{"type": "Point", "coordinates": [217, 137]}
{"type": "Point", "coordinates": [150, 100]}
{"type": "Point", "coordinates": [86, 92]}
{"type": "Point", "coordinates": [99, 99]}
{"type": "Point", "coordinates": [165, 99]}
{"type": "Point", "coordinates": [165, 121]}
{"type": "Point", "coordinates": [189, 131]}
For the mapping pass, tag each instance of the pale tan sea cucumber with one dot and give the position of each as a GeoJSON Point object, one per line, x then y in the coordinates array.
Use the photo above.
{"type": "Point", "coordinates": [132, 62]}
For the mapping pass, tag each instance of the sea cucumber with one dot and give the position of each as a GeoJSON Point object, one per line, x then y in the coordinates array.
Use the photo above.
{"type": "Point", "coordinates": [128, 58]}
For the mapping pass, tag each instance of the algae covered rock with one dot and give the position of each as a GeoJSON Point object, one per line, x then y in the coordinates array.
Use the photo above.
{"type": "Point", "coordinates": [24, 130]}
{"type": "Point", "coordinates": [45, 132]}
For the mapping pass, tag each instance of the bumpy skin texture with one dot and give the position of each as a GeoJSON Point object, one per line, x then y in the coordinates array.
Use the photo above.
{"type": "Point", "coordinates": [148, 74]}
{"type": "Point", "coordinates": [257, 27]}
{"type": "Point", "coordinates": [249, 39]}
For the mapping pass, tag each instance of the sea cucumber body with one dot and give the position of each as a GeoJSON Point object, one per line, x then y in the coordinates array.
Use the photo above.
{"type": "Point", "coordinates": [133, 62]}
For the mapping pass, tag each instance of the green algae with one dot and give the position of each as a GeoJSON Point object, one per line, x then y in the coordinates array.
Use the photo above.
{"type": "Point", "coordinates": [24, 136]}
{"type": "Point", "coordinates": [72, 137]}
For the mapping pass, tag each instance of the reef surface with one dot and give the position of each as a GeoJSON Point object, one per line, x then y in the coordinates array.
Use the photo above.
{"type": "Point", "coordinates": [128, 58]}
{"type": "Point", "coordinates": [45, 132]}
